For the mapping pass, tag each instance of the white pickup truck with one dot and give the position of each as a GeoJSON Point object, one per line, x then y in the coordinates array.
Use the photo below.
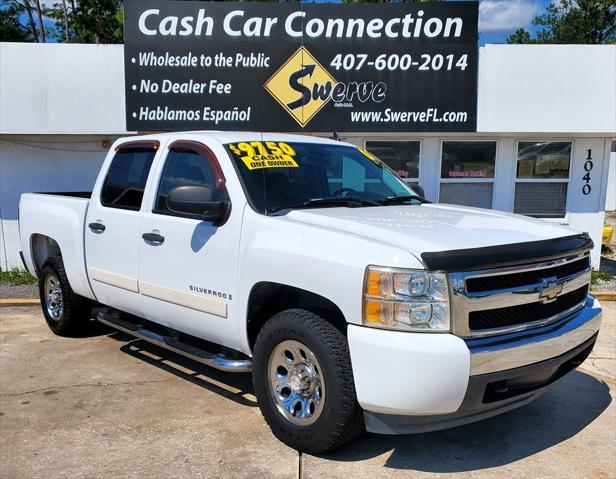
{"type": "Point", "coordinates": [356, 303]}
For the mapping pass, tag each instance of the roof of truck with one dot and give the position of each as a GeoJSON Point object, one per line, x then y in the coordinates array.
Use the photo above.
{"type": "Point", "coordinates": [235, 136]}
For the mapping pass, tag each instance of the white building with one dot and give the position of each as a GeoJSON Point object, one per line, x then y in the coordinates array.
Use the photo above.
{"type": "Point", "coordinates": [543, 111]}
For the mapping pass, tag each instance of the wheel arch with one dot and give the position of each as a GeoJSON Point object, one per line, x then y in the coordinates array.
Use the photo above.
{"type": "Point", "coordinates": [268, 298]}
{"type": "Point", "coordinates": [43, 247]}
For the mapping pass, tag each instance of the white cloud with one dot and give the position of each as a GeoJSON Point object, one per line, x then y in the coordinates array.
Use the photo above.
{"type": "Point", "coordinates": [503, 15]}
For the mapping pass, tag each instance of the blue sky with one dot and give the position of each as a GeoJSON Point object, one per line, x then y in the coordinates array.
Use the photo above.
{"type": "Point", "coordinates": [500, 18]}
{"type": "Point", "coordinates": [497, 18]}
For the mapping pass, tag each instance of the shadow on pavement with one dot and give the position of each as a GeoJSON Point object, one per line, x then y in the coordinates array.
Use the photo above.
{"type": "Point", "coordinates": [564, 410]}
{"type": "Point", "coordinates": [234, 386]}
{"type": "Point", "coordinates": [570, 405]}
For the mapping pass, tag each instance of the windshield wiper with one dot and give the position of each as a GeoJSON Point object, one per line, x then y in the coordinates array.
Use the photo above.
{"type": "Point", "coordinates": [336, 200]}
{"type": "Point", "coordinates": [329, 201]}
{"type": "Point", "coordinates": [395, 200]}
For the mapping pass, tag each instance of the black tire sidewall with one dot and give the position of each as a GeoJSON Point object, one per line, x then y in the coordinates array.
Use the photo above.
{"type": "Point", "coordinates": [76, 309]}
{"type": "Point", "coordinates": [50, 269]}
{"type": "Point", "coordinates": [283, 327]}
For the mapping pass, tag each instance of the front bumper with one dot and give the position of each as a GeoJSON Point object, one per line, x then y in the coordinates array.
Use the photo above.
{"type": "Point", "coordinates": [417, 382]}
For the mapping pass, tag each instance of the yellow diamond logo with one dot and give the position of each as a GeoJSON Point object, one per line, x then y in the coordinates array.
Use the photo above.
{"type": "Point", "coordinates": [302, 86]}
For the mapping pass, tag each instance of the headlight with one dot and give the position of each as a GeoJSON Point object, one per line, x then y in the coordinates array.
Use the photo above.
{"type": "Point", "coordinates": [406, 299]}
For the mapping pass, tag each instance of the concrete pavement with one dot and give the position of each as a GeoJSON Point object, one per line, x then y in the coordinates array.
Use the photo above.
{"type": "Point", "coordinates": [108, 406]}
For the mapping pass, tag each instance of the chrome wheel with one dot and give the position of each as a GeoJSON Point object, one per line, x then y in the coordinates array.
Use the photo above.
{"type": "Point", "coordinates": [296, 382]}
{"type": "Point", "coordinates": [53, 297]}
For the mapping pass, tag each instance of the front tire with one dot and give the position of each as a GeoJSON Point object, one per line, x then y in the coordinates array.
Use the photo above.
{"type": "Point", "coordinates": [66, 313]}
{"type": "Point", "coordinates": [303, 381]}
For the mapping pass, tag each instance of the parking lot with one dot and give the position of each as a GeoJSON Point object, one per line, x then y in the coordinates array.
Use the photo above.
{"type": "Point", "coordinates": [109, 406]}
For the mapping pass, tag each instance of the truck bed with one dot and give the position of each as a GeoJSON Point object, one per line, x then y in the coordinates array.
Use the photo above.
{"type": "Point", "coordinates": [60, 217]}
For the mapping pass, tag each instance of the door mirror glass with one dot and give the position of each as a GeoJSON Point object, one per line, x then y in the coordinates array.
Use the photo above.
{"type": "Point", "coordinates": [195, 201]}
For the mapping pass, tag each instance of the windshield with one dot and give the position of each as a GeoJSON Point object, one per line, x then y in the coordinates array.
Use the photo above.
{"type": "Point", "coordinates": [279, 176]}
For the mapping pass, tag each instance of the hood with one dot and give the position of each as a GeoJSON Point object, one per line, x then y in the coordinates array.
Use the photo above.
{"type": "Point", "coordinates": [431, 227]}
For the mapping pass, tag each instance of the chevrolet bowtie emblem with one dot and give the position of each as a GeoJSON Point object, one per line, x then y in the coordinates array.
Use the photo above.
{"type": "Point", "coordinates": [550, 290]}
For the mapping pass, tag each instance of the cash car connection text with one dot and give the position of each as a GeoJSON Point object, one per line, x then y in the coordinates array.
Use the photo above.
{"type": "Point", "coordinates": [237, 24]}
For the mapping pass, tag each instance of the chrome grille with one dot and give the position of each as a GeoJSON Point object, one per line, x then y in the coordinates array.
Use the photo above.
{"type": "Point", "coordinates": [497, 301]}
{"type": "Point", "coordinates": [504, 281]}
{"type": "Point", "coordinates": [524, 313]}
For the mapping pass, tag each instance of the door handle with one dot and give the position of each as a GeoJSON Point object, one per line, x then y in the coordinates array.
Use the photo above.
{"type": "Point", "coordinates": [97, 227]}
{"type": "Point", "coordinates": [153, 238]}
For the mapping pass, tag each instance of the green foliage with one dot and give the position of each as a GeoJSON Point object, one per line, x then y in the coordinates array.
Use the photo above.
{"type": "Point", "coordinates": [573, 21]}
{"type": "Point", "coordinates": [119, 25]}
{"type": "Point", "coordinates": [16, 276]}
{"type": "Point", "coordinates": [11, 29]}
{"type": "Point", "coordinates": [597, 275]}
{"type": "Point", "coordinates": [519, 36]}
{"type": "Point", "coordinates": [88, 21]}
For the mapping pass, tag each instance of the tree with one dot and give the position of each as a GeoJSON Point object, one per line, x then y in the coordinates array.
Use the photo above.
{"type": "Point", "coordinates": [27, 6]}
{"type": "Point", "coordinates": [40, 18]}
{"type": "Point", "coordinates": [97, 21]}
{"type": "Point", "coordinates": [11, 29]}
{"type": "Point", "coordinates": [88, 21]}
{"type": "Point", "coordinates": [66, 24]}
{"type": "Point", "coordinates": [519, 36]}
{"type": "Point", "coordinates": [20, 12]}
{"type": "Point", "coordinates": [573, 21]}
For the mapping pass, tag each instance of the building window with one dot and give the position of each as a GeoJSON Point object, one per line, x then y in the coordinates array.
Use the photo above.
{"type": "Point", "coordinates": [400, 156]}
{"type": "Point", "coordinates": [467, 173]}
{"type": "Point", "coordinates": [542, 178]}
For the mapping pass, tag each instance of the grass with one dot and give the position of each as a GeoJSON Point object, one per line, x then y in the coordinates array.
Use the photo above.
{"type": "Point", "coordinates": [16, 277]}
{"type": "Point", "coordinates": [597, 276]}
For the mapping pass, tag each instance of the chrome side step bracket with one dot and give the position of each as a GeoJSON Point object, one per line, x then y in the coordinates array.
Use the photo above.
{"type": "Point", "coordinates": [114, 320]}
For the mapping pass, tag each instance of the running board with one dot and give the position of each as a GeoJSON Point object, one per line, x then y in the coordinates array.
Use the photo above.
{"type": "Point", "coordinates": [114, 319]}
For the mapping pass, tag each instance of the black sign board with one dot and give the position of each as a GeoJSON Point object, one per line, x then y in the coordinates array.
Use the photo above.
{"type": "Point", "coordinates": [293, 66]}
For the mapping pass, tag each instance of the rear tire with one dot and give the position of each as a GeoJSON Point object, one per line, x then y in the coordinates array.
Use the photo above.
{"type": "Point", "coordinates": [303, 381]}
{"type": "Point", "coordinates": [66, 313]}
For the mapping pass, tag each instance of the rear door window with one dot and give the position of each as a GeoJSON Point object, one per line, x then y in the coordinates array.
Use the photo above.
{"type": "Point", "coordinates": [126, 178]}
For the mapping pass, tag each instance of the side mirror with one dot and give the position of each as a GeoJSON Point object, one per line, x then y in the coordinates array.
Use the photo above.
{"type": "Point", "coordinates": [195, 201]}
{"type": "Point", "coordinates": [419, 190]}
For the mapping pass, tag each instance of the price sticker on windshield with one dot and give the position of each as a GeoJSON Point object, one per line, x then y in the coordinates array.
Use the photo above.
{"type": "Point", "coordinates": [269, 154]}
